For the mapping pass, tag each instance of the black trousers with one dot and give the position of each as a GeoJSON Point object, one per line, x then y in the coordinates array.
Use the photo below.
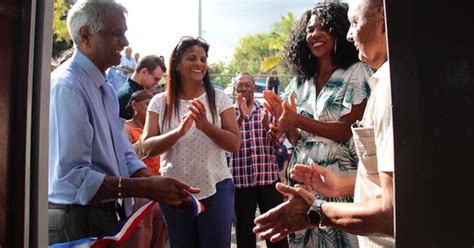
{"type": "Point", "coordinates": [246, 201]}
{"type": "Point", "coordinates": [72, 222]}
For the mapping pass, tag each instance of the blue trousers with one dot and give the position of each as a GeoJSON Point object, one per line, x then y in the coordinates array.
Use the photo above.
{"type": "Point", "coordinates": [211, 228]}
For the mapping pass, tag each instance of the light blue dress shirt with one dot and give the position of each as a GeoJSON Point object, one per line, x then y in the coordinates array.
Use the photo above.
{"type": "Point", "coordinates": [86, 141]}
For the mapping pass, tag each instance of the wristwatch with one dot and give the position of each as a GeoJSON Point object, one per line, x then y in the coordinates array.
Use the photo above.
{"type": "Point", "coordinates": [314, 213]}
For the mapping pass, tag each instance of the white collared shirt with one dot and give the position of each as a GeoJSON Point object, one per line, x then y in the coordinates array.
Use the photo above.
{"type": "Point", "coordinates": [378, 114]}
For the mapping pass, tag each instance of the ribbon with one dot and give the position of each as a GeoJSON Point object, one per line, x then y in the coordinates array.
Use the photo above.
{"type": "Point", "coordinates": [198, 206]}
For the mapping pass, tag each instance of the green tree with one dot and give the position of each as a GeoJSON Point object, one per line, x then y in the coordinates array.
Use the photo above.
{"type": "Point", "coordinates": [250, 52]}
{"type": "Point", "coordinates": [216, 70]}
{"type": "Point", "coordinates": [61, 38]}
{"type": "Point", "coordinates": [261, 52]}
{"type": "Point", "coordinates": [279, 34]}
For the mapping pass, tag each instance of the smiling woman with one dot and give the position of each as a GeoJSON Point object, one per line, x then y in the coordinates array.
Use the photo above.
{"type": "Point", "coordinates": [331, 91]}
{"type": "Point", "coordinates": [191, 126]}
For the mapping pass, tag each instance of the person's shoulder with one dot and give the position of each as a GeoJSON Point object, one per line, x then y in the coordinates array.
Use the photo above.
{"type": "Point", "coordinates": [357, 72]}
{"type": "Point", "coordinates": [159, 97]}
{"type": "Point", "coordinates": [220, 93]}
{"type": "Point", "coordinates": [359, 66]}
{"type": "Point", "coordinates": [66, 75]}
{"type": "Point", "coordinates": [125, 90]}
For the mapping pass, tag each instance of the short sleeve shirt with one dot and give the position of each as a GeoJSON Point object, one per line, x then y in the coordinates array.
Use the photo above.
{"type": "Point", "coordinates": [378, 114]}
{"type": "Point", "coordinates": [378, 119]}
{"type": "Point", "coordinates": [194, 159]}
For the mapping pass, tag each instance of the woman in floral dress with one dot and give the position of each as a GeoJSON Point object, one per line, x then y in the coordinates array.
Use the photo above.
{"type": "Point", "coordinates": [328, 94]}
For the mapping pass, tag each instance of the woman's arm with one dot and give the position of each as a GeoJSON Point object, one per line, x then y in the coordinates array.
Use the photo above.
{"type": "Point", "coordinates": [335, 130]}
{"type": "Point", "coordinates": [226, 137]}
{"type": "Point", "coordinates": [155, 143]}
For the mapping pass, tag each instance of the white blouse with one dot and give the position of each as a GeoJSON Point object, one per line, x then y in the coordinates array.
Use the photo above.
{"type": "Point", "coordinates": [194, 159]}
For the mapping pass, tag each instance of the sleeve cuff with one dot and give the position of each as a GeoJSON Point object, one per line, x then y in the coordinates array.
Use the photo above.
{"type": "Point", "coordinates": [89, 187]}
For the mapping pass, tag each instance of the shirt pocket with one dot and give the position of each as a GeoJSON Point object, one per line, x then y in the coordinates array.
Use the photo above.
{"type": "Point", "coordinates": [364, 142]}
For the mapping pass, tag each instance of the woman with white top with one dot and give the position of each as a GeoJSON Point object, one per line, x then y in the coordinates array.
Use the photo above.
{"type": "Point", "coordinates": [191, 125]}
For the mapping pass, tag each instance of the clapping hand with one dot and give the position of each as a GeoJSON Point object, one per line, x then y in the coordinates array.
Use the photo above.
{"type": "Point", "coordinates": [198, 113]}
{"type": "Point", "coordinates": [272, 103]}
{"type": "Point", "coordinates": [287, 118]}
{"type": "Point", "coordinates": [185, 124]}
{"type": "Point", "coordinates": [243, 108]}
{"type": "Point", "coordinates": [316, 178]}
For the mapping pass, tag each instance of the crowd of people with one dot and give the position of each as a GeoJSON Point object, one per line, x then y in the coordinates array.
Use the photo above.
{"type": "Point", "coordinates": [118, 139]}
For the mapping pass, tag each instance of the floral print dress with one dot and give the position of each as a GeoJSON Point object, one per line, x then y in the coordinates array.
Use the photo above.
{"type": "Point", "coordinates": [343, 89]}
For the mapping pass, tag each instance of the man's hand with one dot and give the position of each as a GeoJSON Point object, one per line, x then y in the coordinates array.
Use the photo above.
{"type": "Point", "coordinates": [287, 217]}
{"type": "Point", "coordinates": [243, 109]}
{"type": "Point", "coordinates": [169, 191]}
{"type": "Point", "coordinates": [316, 178]}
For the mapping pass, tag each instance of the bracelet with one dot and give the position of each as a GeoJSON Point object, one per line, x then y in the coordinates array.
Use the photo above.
{"type": "Point", "coordinates": [119, 194]}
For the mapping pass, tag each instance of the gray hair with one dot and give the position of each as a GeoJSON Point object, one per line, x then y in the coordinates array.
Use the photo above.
{"type": "Point", "coordinates": [370, 5]}
{"type": "Point", "coordinates": [90, 13]}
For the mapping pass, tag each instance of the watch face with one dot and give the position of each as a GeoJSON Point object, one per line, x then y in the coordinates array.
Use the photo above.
{"type": "Point", "coordinates": [314, 217]}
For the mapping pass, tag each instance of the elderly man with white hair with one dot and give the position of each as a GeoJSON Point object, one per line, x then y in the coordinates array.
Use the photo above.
{"type": "Point", "coordinates": [91, 162]}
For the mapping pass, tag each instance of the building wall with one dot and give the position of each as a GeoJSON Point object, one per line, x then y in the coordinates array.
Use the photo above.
{"type": "Point", "coordinates": [432, 72]}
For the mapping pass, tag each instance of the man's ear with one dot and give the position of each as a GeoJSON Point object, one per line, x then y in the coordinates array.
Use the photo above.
{"type": "Point", "coordinates": [85, 34]}
{"type": "Point", "coordinates": [142, 71]}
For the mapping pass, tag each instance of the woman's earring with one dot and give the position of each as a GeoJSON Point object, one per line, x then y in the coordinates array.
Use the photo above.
{"type": "Point", "coordinates": [335, 46]}
{"type": "Point", "coordinates": [135, 113]}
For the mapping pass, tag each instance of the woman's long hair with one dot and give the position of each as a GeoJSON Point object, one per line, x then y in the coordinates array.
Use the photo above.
{"type": "Point", "coordinates": [174, 85]}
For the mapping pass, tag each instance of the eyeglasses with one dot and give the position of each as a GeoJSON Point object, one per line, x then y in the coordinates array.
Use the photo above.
{"type": "Point", "coordinates": [155, 78]}
{"type": "Point", "coordinates": [184, 39]}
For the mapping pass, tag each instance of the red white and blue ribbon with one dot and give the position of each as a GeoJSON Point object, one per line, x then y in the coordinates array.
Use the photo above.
{"type": "Point", "coordinates": [117, 235]}
{"type": "Point", "coordinates": [122, 231]}
{"type": "Point", "coordinates": [198, 206]}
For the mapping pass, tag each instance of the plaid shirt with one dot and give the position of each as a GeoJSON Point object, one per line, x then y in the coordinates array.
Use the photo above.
{"type": "Point", "coordinates": [254, 164]}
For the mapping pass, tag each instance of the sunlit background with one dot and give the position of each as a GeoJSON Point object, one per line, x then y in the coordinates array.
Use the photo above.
{"type": "Point", "coordinates": [154, 27]}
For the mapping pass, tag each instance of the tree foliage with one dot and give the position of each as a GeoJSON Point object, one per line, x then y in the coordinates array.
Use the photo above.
{"type": "Point", "coordinates": [280, 33]}
{"type": "Point", "coordinates": [259, 53]}
{"type": "Point", "coordinates": [250, 52]}
{"type": "Point", "coordinates": [61, 38]}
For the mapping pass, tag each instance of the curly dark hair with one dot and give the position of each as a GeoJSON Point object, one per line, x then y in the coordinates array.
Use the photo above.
{"type": "Point", "coordinates": [298, 57]}
{"type": "Point", "coordinates": [174, 84]}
